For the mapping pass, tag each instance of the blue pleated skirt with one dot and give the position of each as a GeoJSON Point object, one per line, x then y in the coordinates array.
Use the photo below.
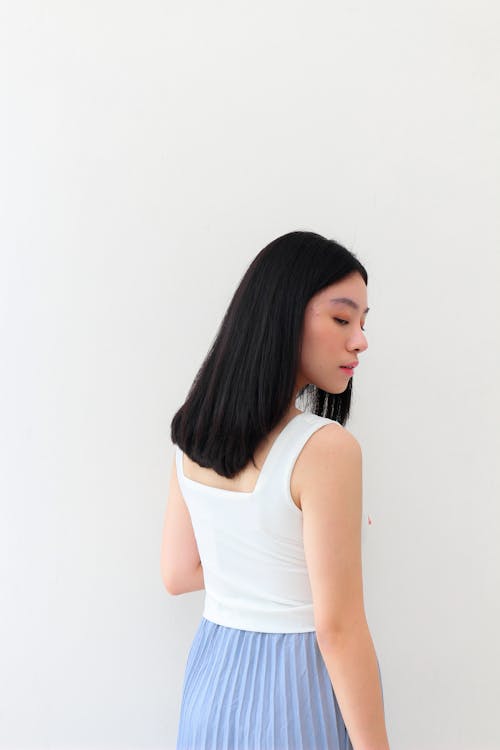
{"type": "Point", "coordinates": [248, 690]}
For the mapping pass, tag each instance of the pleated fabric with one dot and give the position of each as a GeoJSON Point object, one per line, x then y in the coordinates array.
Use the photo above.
{"type": "Point", "coordinates": [249, 690]}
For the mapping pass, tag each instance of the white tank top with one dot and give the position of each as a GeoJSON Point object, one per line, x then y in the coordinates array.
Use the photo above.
{"type": "Point", "coordinates": [250, 543]}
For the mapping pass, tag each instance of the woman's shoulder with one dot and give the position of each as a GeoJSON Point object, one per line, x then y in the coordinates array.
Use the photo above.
{"type": "Point", "coordinates": [329, 453]}
{"type": "Point", "coordinates": [329, 444]}
{"type": "Point", "coordinates": [332, 436]}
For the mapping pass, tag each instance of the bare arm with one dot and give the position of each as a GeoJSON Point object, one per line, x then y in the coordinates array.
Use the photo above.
{"type": "Point", "coordinates": [331, 501]}
{"type": "Point", "coordinates": [180, 565]}
{"type": "Point", "coordinates": [352, 665]}
{"type": "Point", "coordinates": [193, 582]}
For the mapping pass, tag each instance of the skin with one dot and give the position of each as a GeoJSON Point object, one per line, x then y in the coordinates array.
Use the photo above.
{"type": "Point", "coordinates": [328, 343]}
{"type": "Point", "coordinates": [332, 336]}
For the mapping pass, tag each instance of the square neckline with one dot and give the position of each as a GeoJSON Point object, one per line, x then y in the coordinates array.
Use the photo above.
{"type": "Point", "coordinates": [219, 490]}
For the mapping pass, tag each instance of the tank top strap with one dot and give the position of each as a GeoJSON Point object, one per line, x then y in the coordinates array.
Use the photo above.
{"type": "Point", "coordinates": [286, 448]}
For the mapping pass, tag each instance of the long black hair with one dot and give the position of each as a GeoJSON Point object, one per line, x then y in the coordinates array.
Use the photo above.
{"type": "Point", "coordinates": [246, 382]}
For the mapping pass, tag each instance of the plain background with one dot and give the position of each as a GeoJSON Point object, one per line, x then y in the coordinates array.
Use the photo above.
{"type": "Point", "coordinates": [149, 151]}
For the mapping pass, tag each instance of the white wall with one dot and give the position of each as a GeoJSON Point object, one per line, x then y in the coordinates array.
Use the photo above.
{"type": "Point", "coordinates": [149, 151]}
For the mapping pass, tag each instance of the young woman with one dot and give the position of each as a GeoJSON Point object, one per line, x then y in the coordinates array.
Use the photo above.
{"type": "Point", "coordinates": [264, 513]}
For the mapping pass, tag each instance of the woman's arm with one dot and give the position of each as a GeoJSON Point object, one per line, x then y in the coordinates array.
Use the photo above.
{"type": "Point", "coordinates": [330, 473]}
{"type": "Point", "coordinates": [352, 665]}
{"type": "Point", "coordinates": [180, 564]}
{"type": "Point", "coordinates": [194, 582]}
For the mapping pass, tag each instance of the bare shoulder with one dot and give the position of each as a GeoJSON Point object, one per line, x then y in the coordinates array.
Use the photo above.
{"type": "Point", "coordinates": [333, 436]}
{"type": "Point", "coordinates": [325, 451]}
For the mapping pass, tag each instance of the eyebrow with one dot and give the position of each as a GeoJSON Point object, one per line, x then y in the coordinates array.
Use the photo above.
{"type": "Point", "coordinates": [347, 301]}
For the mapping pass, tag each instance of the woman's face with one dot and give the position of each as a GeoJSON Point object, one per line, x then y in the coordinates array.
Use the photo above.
{"type": "Point", "coordinates": [333, 334]}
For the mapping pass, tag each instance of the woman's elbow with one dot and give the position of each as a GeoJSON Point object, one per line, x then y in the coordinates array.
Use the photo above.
{"type": "Point", "coordinates": [170, 584]}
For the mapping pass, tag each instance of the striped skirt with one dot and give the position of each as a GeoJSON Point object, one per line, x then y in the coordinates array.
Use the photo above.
{"type": "Point", "coordinates": [247, 690]}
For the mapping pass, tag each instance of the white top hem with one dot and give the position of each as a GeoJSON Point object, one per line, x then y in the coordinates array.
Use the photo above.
{"type": "Point", "coordinates": [284, 621]}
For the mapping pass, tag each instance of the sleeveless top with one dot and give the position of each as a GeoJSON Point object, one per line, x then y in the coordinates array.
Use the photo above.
{"type": "Point", "coordinates": [251, 544]}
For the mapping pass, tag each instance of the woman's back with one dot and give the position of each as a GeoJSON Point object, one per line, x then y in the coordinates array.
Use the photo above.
{"type": "Point", "coordinates": [251, 543]}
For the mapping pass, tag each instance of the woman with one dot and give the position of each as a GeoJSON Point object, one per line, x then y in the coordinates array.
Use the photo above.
{"type": "Point", "coordinates": [264, 513]}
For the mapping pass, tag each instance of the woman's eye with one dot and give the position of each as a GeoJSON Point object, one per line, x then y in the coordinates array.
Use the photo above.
{"type": "Point", "coordinates": [341, 321]}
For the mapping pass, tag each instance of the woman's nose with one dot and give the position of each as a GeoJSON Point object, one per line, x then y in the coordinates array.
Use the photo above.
{"type": "Point", "coordinates": [361, 342]}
